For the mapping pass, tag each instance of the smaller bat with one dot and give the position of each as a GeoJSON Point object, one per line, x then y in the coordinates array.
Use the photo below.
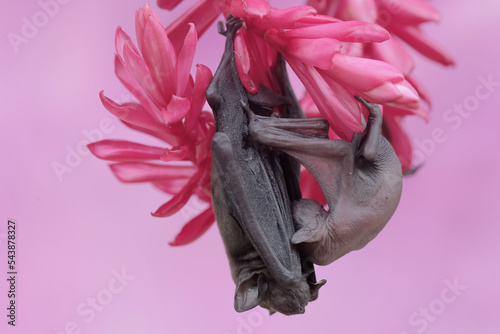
{"type": "Point", "coordinates": [361, 181]}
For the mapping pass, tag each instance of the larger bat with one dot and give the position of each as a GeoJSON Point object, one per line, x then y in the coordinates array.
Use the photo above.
{"type": "Point", "coordinates": [251, 197]}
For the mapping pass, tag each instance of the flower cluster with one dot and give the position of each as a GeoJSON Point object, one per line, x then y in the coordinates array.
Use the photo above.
{"type": "Point", "coordinates": [402, 19]}
{"type": "Point", "coordinates": [337, 48]}
{"type": "Point", "coordinates": [170, 109]}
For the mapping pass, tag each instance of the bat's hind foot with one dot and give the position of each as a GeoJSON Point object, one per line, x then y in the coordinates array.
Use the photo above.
{"type": "Point", "coordinates": [373, 130]}
{"type": "Point", "coordinates": [232, 25]}
{"type": "Point", "coordinates": [373, 108]}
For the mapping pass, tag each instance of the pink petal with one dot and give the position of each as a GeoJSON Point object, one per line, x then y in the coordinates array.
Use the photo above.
{"type": "Point", "coordinates": [309, 107]}
{"type": "Point", "coordinates": [121, 39]}
{"type": "Point", "coordinates": [185, 60]}
{"type": "Point", "coordinates": [147, 172]}
{"type": "Point", "coordinates": [198, 98]}
{"type": "Point", "coordinates": [349, 111]}
{"type": "Point", "coordinates": [247, 9]}
{"type": "Point", "coordinates": [423, 92]}
{"type": "Point", "coordinates": [204, 193]}
{"type": "Point", "coordinates": [383, 93]}
{"type": "Point", "coordinates": [174, 154]}
{"type": "Point", "coordinates": [323, 6]}
{"type": "Point", "coordinates": [420, 112]}
{"type": "Point", "coordinates": [171, 187]}
{"type": "Point", "coordinates": [135, 117]}
{"type": "Point", "coordinates": [160, 57]}
{"type": "Point", "coordinates": [243, 61]}
{"type": "Point", "coordinates": [203, 146]}
{"type": "Point", "coordinates": [122, 150]}
{"type": "Point", "coordinates": [141, 18]}
{"type": "Point", "coordinates": [253, 58]}
{"type": "Point", "coordinates": [423, 44]}
{"type": "Point", "coordinates": [131, 84]}
{"type": "Point", "coordinates": [241, 50]}
{"type": "Point", "coordinates": [315, 20]}
{"type": "Point", "coordinates": [205, 125]}
{"type": "Point", "coordinates": [310, 187]}
{"type": "Point", "coordinates": [125, 75]}
{"type": "Point", "coordinates": [393, 52]}
{"type": "Point", "coordinates": [140, 71]}
{"type": "Point", "coordinates": [168, 4]}
{"type": "Point", "coordinates": [176, 109]}
{"type": "Point", "coordinates": [203, 13]}
{"type": "Point", "coordinates": [194, 228]}
{"type": "Point", "coordinates": [363, 74]}
{"type": "Point", "coordinates": [349, 31]}
{"type": "Point", "coordinates": [411, 12]}
{"type": "Point", "coordinates": [409, 97]}
{"type": "Point", "coordinates": [356, 10]}
{"type": "Point", "coordinates": [131, 113]}
{"type": "Point", "coordinates": [171, 134]}
{"type": "Point", "coordinates": [399, 139]}
{"type": "Point", "coordinates": [287, 17]}
{"type": "Point", "coordinates": [400, 95]}
{"type": "Point", "coordinates": [311, 110]}
{"type": "Point", "coordinates": [315, 52]}
{"type": "Point", "coordinates": [178, 200]}
{"type": "Point", "coordinates": [339, 112]}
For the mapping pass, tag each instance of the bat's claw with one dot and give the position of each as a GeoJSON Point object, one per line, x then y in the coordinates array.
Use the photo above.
{"type": "Point", "coordinates": [220, 28]}
{"type": "Point", "coordinates": [232, 25]}
{"type": "Point", "coordinates": [411, 171]}
{"type": "Point", "coordinates": [315, 289]}
{"type": "Point", "coordinates": [373, 108]}
{"type": "Point", "coordinates": [369, 147]}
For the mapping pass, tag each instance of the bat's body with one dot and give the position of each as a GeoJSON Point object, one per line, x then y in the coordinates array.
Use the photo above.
{"type": "Point", "coordinates": [361, 181]}
{"type": "Point", "coordinates": [251, 198]}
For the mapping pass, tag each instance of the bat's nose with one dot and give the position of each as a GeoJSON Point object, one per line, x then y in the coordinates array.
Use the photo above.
{"type": "Point", "coordinates": [301, 310]}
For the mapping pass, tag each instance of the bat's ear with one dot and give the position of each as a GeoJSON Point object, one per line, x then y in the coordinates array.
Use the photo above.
{"type": "Point", "coordinates": [249, 291]}
{"type": "Point", "coordinates": [306, 234]}
{"type": "Point", "coordinates": [306, 213]}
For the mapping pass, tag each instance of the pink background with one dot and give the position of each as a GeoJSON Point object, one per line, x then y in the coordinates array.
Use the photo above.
{"type": "Point", "coordinates": [73, 234]}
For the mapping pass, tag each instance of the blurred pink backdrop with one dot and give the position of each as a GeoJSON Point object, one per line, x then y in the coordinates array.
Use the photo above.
{"type": "Point", "coordinates": [84, 236]}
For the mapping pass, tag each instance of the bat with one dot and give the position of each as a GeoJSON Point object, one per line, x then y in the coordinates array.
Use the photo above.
{"type": "Point", "coordinates": [361, 181]}
{"type": "Point", "coordinates": [252, 189]}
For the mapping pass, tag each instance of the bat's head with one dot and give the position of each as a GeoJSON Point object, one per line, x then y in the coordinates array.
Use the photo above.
{"type": "Point", "coordinates": [260, 289]}
{"type": "Point", "coordinates": [287, 300]}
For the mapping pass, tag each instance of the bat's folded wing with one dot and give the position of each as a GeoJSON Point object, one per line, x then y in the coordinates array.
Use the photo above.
{"type": "Point", "coordinates": [257, 199]}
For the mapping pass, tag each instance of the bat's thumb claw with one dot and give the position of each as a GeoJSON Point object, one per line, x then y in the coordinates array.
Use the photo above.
{"type": "Point", "coordinates": [315, 289]}
{"type": "Point", "coordinates": [320, 283]}
{"type": "Point", "coordinates": [221, 28]}
{"type": "Point", "coordinates": [305, 234]}
{"type": "Point", "coordinates": [373, 108]}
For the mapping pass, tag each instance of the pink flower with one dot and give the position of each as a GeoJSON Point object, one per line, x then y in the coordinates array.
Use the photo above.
{"type": "Point", "coordinates": [170, 108]}
{"type": "Point", "coordinates": [335, 60]}
{"type": "Point", "coordinates": [313, 45]}
{"type": "Point", "coordinates": [403, 20]}
{"type": "Point", "coordinates": [316, 54]}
